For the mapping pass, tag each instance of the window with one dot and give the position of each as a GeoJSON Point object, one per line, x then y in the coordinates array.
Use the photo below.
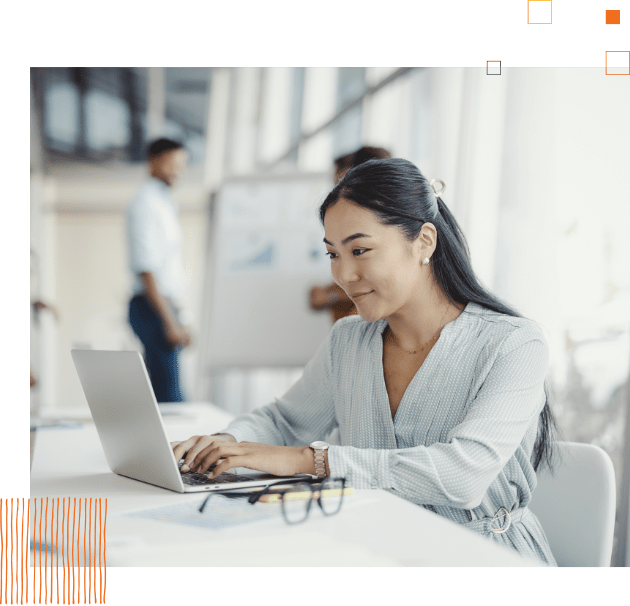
{"type": "Point", "coordinates": [61, 110]}
{"type": "Point", "coordinates": [347, 130]}
{"type": "Point", "coordinates": [107, 122]}
{"type": "Point", "coordinates": [94, 113]}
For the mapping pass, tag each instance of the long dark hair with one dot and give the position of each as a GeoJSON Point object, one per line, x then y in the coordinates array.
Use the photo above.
{"type": "Point", "coordinates": [399, 194]}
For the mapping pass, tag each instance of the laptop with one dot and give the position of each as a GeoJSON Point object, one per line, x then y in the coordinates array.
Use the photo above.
{"type": "Point", "coordinates": [128, 421]}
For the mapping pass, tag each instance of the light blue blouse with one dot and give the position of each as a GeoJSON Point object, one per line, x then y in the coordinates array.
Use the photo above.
{"type": "Point", "coordinates": [461, 441]}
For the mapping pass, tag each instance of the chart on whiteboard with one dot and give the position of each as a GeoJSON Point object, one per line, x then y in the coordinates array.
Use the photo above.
{"type": "Point", "coordinates": [248, 251]}
{"type": "Point", "coordinates": [272, 251]}
{"type": "Point", "coordinates": [268, 228]}
{"type": "Point", "coordinates": [266, 254]}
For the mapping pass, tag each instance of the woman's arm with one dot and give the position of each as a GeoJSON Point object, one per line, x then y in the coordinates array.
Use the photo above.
{"type": "Point", "coordinates": [457, 473]}
{"type": "Point", "coordinates": [304, 414]}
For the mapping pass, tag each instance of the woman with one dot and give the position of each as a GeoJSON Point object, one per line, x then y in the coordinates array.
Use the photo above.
{"type": "Point", "coordinates": [438, 388]}
{"type": "Point", "coordinates": [333, 297]}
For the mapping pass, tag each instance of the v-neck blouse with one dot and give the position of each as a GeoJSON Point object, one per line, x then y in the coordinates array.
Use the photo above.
{"type": "Point", "coordinates": [462, 438]}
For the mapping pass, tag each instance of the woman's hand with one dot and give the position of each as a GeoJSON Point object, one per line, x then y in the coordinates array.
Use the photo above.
{"type": "Point", "coordinates": [193, 446]}
{"type": "Point", "coordinates": [204, 451]}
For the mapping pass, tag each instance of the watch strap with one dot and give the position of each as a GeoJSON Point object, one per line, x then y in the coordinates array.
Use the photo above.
{"type": "Point", "coordinates": [320, 462]}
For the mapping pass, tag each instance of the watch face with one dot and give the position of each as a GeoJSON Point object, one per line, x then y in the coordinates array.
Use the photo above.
{"type": "Point", "coordinates": [319, 444]}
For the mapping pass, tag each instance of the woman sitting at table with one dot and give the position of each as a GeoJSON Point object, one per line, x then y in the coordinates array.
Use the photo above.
{"type": "Point", "coordinates": [437, 387]}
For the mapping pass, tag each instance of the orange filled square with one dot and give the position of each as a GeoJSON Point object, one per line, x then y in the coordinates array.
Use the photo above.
{"type": "Point", "coordinates": [613, 17]}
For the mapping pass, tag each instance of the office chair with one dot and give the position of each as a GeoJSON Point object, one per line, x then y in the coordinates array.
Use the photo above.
{"type": "Point", "coordinates": [576, 505]}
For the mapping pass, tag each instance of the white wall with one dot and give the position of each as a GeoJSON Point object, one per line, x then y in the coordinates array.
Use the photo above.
{"type": "Point", "coordinates": [91, 280]}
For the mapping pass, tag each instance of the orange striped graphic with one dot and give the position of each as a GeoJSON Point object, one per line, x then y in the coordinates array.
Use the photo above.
{"type": "Point", "coordinates": [52, 533]}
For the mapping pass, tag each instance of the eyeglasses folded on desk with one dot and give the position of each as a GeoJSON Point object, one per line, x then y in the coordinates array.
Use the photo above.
{"type": "Point", "coordinates": [296, 498]}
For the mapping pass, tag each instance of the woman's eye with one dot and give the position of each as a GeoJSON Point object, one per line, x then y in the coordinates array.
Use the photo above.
{"type": "Point", "coordinates": [356, 252]}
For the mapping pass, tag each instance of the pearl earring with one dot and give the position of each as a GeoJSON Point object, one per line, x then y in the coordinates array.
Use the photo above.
{"type": "Point", "coordinates": [425, 261]}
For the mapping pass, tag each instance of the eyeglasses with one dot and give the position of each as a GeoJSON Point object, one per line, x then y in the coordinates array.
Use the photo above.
{"type": "Point", "coordinates": [296, 498]}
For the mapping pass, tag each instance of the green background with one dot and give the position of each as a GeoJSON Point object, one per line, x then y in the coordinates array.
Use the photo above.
{"type": "Point", "coordinates": [454, 33]}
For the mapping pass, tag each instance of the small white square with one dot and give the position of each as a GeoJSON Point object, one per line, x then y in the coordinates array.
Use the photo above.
{"type": "Point", "coordinates": [493, 68]}
{"type": "Point", "coordinates": [617, 71]}
{"type": "Point", "coordinates": [539, 11]}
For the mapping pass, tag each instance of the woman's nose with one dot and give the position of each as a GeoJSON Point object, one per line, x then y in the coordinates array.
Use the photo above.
{"type": "Point", "coordinates": [347, 272]}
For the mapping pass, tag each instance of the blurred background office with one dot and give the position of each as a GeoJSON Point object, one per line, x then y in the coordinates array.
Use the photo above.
{"type": "Point", "coordinates": [535, 163]}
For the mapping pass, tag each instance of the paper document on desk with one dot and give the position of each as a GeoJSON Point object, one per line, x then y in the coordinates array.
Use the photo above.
{"type": "Point", "coordinates": [220, 512]}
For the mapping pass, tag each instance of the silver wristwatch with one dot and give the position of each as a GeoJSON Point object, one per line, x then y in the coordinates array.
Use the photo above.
{"type": "Point", "coordinates": [319, 448]}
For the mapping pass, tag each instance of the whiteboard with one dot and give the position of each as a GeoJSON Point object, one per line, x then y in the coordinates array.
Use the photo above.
{"type": "Point", "coordinates": [265, 253]}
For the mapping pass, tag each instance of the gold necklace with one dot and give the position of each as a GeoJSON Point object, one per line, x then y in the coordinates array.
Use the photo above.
{"type": "Point", "coordinates": [432, 339]}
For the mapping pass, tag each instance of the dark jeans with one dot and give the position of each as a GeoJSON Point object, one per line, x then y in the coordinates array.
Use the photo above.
{"type": "Point", "coordinates": [160, 357]}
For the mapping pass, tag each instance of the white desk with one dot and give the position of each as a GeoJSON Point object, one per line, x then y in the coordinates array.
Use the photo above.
{"type": "Point", "coordinates": [374, 527]}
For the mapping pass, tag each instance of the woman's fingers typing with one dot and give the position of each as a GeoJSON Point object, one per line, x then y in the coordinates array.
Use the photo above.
{"type": "Point", "coordinates": [229, 463]}
{"type": "Point", "coordinates": [179, 449]}
{"type": "Point", "coordinates": [201, 452]}
{"type": "Point", "coordinates": [216, 451]}
{"type": "Point", "coordinates": [190, 448]}
{"type": "Point", "coordinates": [195, 449]}
{"type": "Point", "coordinates": [194, 456]}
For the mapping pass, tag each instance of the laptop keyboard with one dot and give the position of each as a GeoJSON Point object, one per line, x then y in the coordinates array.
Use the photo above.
{"type": "Point", "coordinates": [195, 479]}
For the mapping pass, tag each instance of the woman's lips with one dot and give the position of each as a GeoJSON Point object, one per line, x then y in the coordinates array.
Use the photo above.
{"type": "Point", "coordinates": [362, 295]}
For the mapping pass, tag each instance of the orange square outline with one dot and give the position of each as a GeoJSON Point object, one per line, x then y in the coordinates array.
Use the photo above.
{"type": "Point", "coordinates": [550, 2]}
{"type": "Point", "coordinates": [618, 15]}
{"type": "Point", "coordinates": [628, 74]}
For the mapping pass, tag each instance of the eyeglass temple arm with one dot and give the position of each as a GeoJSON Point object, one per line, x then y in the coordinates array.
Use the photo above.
{"type": "Point", "coordinates": [254, 496]}
{"type": "Point", "coordinates": [225, 494]}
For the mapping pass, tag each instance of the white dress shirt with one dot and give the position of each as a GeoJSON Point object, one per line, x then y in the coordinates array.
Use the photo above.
{"type": "Point", "coordinates": [154, 239]}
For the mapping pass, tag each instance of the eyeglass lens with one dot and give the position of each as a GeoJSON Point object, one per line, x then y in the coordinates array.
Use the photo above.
{"type": "Point", "coordinates": [331, 496]}
{"type": "Point", "coordinates": [296, 502]}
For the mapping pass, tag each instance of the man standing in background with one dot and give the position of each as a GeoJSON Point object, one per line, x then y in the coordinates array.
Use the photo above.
{"type": "Point", "coordinates": [155, 259]}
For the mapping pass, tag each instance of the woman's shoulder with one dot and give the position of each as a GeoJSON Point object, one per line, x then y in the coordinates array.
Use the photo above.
{"type": "Point", "coordinates": [353, 331]}
{"type": "Point", "coordinates": [501, 329]}
{"type": "Point", "coordinates": [353, 324]}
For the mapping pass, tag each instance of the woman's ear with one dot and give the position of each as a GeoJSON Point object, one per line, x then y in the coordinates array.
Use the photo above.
{"type": "Point", "coordinates": [427, 239]}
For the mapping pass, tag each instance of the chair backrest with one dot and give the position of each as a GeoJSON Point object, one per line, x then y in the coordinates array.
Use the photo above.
{"type": "Point", "coordinates": [576, 505]}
